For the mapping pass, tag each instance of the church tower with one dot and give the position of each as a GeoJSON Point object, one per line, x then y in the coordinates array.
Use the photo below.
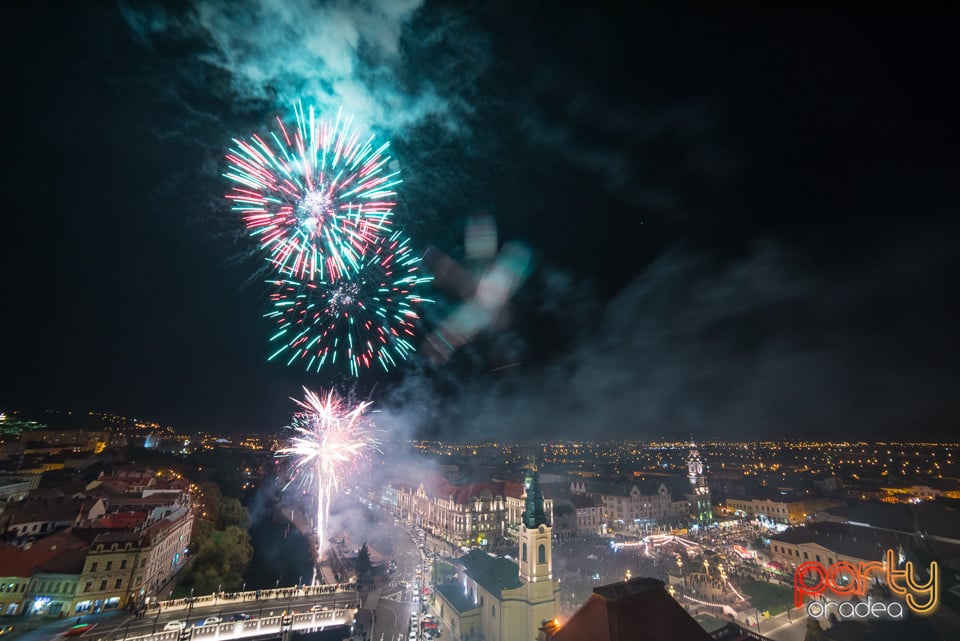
{"type": "Point", "coordinates": [536, 554]}
{"type": "Point", "coordinates": [700, 498]}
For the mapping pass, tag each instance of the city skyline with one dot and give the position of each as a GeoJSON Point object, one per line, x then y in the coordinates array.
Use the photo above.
{"type": "Point", "coordinates": [736, 234]}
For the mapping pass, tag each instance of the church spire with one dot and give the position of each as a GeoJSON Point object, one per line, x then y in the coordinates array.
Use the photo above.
{"type": "Point", "coordinates": [533, 512]}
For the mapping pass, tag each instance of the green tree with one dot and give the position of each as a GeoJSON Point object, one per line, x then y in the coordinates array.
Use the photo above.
{"type": "Point", "coordinates": [232, 512]}
{"type": "Point", "coordinates": [363, 562]}
{"type": "Point", "coordinates": [202, 530]}
{"type": "Point", "coordinates": [221, 560]}
{"type": "Point", "coordinates": [211, 498]}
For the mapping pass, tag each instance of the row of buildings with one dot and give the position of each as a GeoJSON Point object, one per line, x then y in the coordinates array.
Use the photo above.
{"type": "Point", "coordinates": [516, 597]}
{"type": "Point", "coordinates": [115, 542]}
{"type": "Point", "coordinates": [481, 513]}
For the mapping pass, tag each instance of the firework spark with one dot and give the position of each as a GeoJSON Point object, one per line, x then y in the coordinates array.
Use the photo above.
{"type": "Point", "coordinates": [365, 318]}
{"type": "Point", "coordinates": [314, 197]}
{"type": "Point", "coordinates": [331, 438]}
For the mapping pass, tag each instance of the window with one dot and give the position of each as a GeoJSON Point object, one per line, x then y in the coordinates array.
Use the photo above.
{"type": "Point", "coordinates": [493, 611]}
{"type": "Point", "coordinates": [143, 562]}
{"type": "Point", "coordinates": [542, 554]}
{"type": "Point", "coordinates": [87, 587]}
{"type": "Point", "coordinates": [123, 564]}
{"type": "Point", "coordinates": [523, 553]}
{"type": "Point", "coordinates": [93, 567]}
{"type": "Point", "coordinates": [109, 565]}
{"type": "Point", "coordinates": [116, 586]}
{"type": "Point", "coordinates": [103, 584]}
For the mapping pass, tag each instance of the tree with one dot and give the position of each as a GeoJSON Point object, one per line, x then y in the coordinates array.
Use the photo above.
{"type": "Point", "coordinates": [232, 512]}
{"type": "Point", "coordinates": [212, 500]}
{"type": "Point", "coordinates": [363, 562]}
{"type": "Point", "coordinates": [221, 560]}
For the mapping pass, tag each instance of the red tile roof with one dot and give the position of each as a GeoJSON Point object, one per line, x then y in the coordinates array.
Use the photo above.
{"type": "Point", "coordinates": [439, 487]}
{"type": "Point", "coordinates": [21, 562]}
{"type": "Point", "coordinates": [121, 520]}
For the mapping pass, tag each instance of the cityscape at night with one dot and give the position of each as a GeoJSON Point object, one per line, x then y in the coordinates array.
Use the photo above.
{"type": "Point", "coordinates": [404, 320]}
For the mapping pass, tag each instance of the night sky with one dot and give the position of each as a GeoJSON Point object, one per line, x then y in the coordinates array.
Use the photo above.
{"type": "Point", "coordinates": [745, 224]}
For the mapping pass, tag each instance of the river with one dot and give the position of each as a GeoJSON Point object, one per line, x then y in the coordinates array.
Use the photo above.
{"type": "Point", "coordinates": [280, 551]}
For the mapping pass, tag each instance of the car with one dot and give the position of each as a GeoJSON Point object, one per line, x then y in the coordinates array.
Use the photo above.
{"type": "Point", "coordinates": [240, 616]}
{"type": "Point", "coordinates": [318, 608]}
{"type": "Point", "coordinates": [74, 631]}
{"type": "Point", "coordinates": [174, 625]}
{"type": "Point", "coordinates": [208, 621]}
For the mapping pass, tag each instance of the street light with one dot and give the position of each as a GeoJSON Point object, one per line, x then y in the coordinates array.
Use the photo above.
{"type": "Point", "coordinates": [190, 607]}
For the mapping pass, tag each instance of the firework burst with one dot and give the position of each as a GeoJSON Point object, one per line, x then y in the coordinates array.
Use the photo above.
{"type": "Point", "coordinates": [331, 437]}
{"type": "Point", "coordinates": [315, 197]}
{"type": "Point", "coordinates": [361, 320]}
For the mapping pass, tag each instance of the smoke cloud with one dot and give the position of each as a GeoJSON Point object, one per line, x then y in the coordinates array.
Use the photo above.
{"type": "Point", "coordinates": [762, 345]}
{"type": "Point", "coordinates": [339, 55]}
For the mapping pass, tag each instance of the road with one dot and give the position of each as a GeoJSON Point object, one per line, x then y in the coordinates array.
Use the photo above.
{"type": "Point", "coordinates": [392, 621]}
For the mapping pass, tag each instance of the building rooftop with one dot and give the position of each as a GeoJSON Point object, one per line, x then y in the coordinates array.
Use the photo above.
{"type": "Point", "coordinates": [453, 593]}
{"type": "Point", "coordinates": [581, 501]}
{"type": "Point", "coordinates": [628, 611]}
{"type": "Point", "coordinates": [847, 540]}
{"type": "Point", "coordinates": [20, 562]}
{"type": "Point", "coordinates": [493, 573]}
{"type": "Point", "coordinates": [934, 518]}
{"type": "Point", "coordinates": [65, 562]}
{"type": "Point", "coordinates": [53, 510]}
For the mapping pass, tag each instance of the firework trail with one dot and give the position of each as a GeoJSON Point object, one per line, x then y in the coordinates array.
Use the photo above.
{"type": "Point", "coordinates": [314, 196]}
{"type": "Point", "coordinates": [331, 438]}
{"type": "Point", "coordinates": [365, 318]}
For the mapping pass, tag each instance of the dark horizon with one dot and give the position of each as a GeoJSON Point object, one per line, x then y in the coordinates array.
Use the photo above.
{"type": "Point", "coordinates": [742, 224]}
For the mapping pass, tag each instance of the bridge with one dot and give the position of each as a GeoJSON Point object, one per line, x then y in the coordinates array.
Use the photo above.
{"type": "Point", "coordinates": [264, 612]}
{"type": "Point", "coordinates": [267, 626]}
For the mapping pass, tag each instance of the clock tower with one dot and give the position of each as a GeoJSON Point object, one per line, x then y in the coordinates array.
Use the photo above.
{"type": "Point", "coordinates": [700, 497]}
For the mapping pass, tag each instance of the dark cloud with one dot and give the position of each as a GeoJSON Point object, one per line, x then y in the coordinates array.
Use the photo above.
{"type": "Point", "coordinates": [763, 345]}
